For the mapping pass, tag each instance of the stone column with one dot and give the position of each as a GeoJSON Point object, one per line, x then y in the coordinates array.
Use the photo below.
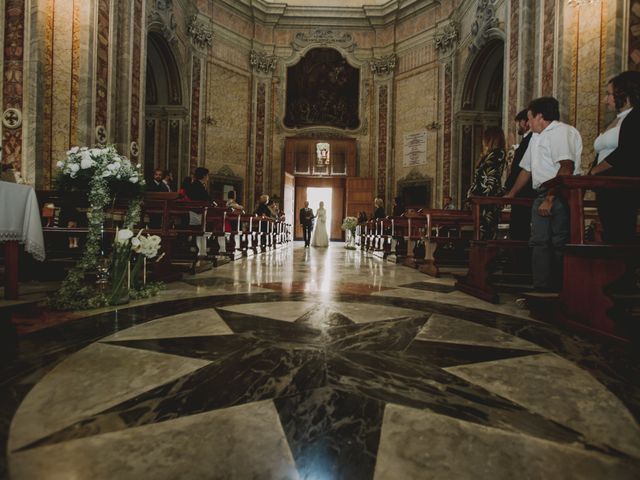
{"type": "Point", "coordinates": [263, 66]}
{"type": "Point", "coordinates": [383, 73]}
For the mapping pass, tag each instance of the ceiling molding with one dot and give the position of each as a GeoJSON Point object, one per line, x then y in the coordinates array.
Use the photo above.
{"type": "Point", "coordinates": [365, 16]}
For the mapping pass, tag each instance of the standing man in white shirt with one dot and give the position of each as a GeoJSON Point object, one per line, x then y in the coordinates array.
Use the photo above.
{"type": "Point", "coordinates": [555, 149]}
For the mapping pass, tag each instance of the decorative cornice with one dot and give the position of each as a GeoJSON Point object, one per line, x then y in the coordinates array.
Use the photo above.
{"type": "Point", "coordinates": [161, 12]}
{"type": "Point", "coordinates": [446, 39]}
{"type": "Point", "coordinates": [485, 20]}
{"type": "Point", "coordinates": [384, 65]}
{"type": "Point", "coordinates": [262, 62]}
{"type": "Point", "coordinates": [200, 33]}
{"type": "Point", "coordinates": [324, 37]}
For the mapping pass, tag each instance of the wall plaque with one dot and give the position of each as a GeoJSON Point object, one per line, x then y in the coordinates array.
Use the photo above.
{"type": "Point", "coordinates": [415, 148]}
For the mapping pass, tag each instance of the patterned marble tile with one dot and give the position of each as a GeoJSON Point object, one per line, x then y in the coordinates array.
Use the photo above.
{"type": "Point", "coordinates": [286, 311]}
{"type": "Point", "coordinates": [94, 379]}
{"type": "Point", "coordinates": [430, 287]}
{"type": "Point", "coordinates": [246, 441]}
{"type": "Point", "coordinates": [444, 328]}
{"type": "Point", "coordinates": [198, 323]}
{"type": "Point", "coordinates": [422, 444]}
{"type": "Point", "coordinates": [576, 400]}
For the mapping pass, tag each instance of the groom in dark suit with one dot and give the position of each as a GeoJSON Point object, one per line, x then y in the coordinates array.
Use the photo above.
{"type": "Point", "coordinates": [306, 220]}
{"type": "Point", "coordinates": [520, 227]}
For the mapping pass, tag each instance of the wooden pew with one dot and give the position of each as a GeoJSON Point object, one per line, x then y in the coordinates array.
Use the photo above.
{"type": "Point", "coordinates": [445, 240]}
{"type": "Point", "coordinates": [483, 254]}
{"type": "Point", "coordinates": [600, 292]}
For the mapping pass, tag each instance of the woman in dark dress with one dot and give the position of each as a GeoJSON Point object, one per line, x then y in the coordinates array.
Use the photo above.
{"type": "Point", "coordinates": [618, 209]}
{"type": "Point", "coordinates": [487, 179]}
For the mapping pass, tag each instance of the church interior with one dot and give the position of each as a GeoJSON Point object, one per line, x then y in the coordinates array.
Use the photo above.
{"type": "Point", "coordinates": [276, 239]}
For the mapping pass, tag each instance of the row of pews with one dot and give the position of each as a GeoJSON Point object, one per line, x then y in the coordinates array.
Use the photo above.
{"type": "Point", "coordinates": [225, 235]}
{"type": "Point", "coordinates": [601, 283]}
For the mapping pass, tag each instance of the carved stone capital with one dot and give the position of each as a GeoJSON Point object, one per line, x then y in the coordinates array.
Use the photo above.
{"type": "Point", "coordinates": [446, 39]}
{"type": "Point", "coordinates": [384, 65]}
{"type": "Point", "coordinates": [161, 12]}
{"type": "Point", "coordinates": [485, 20]}
{"type": "Point", "coordinates": [324, 37]}
{"type": "Point", "coordinates": [262, 62]}
{"type": "Point", "coordinates": [200, 33]}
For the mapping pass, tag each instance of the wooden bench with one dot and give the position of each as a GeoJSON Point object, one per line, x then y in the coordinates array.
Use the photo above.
{"type": "Point", "coordinates": [600, 292]}
{"type": "Point", "coordinates": [483, 254]}
{"type": "Point", "coordinates": [445, 239]}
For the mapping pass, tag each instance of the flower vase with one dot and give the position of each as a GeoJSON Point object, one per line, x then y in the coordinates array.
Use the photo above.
{"type": "Point", "coordinates": [350, 240]}
{"type": "Point", "coordinates": [120, 280]}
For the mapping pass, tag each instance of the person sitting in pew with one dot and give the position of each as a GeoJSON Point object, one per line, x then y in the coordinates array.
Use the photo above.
{"type": "Point", "coordinates": [487, 179]}
{"type": "Point", "coordinates": [617, 155]}
{"type": "Point", "coordinates": [447, 203]}
{"type": "Point", "coordinates": [379, 211]}
{"type": "Point", "coordinates": [232, 202]}
{"type": "Point", "coordinates": [197, 192]}
{"type": "Point", "coordinates": [555, 149]}
{"type": "Point", "coordinates": [156, 184]}
{"type": "Point", "coordinates": [398, 207]}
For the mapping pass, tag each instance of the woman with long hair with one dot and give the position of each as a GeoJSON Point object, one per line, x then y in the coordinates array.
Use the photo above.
{"type": "Point", "coordinates": [617, 155]}
{"type": "Point", "coordinates": [487, 179]}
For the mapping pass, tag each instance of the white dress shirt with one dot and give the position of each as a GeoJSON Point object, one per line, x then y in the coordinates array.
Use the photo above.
{"type": "Point", "coordinates": [607, 141]}
{"type": "Point", "coordinates": [548, 148]}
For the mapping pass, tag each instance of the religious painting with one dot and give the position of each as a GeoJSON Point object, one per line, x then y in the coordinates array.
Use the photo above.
{"type": "Point", "coordinates": [322, 153]}
{"type": "Point", "coordinates": [322, 90]}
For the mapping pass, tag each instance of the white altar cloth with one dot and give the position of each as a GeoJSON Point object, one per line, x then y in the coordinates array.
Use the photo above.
{"type": "Point", "coordinates": [20, 218]}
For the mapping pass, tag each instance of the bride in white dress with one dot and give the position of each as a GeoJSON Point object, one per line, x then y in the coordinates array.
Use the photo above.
{"type": "Point", "coordinates": [320, 237]}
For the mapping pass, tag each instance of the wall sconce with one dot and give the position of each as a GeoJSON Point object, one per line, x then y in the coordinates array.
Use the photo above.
{"type": "Point", "coordinates": [209, 120]}
{"type": "Point", "coordinates": [433, 126]}
{"type": "Point", "coordinates": [579, 3]}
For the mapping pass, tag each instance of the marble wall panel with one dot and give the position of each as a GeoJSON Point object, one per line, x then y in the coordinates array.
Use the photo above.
{"type": "Point", "coordinates": [417, 99]}
{"type": "Point", "coordinates": [195, 114]}
{"type": "Point", "coordinates": [416, 24]}
{"type": "Point", "coordinates": [102, 62]}
{"type": "Point", "coordinates": [232, 55]}
{"type": "Point", "coordinates": [634, 35]}
{"type": "Point", "coordinates": [261, 107]}
{"type": "Point", "coordinates": [232, 21]}
{"type": "Point", "coordinates": [587, 77]}
{"type": "Point", "coordinates": [62, 74]}
{"type": "Point", "coordinates": [136, 73]}
{"type": "Point", "coordinates": [548, 47]}
{"type": "Point", "coordinates": [12, 79]}
{"type": "Point", "coordinates": [383, 136]}
{"type": "Point", "coordinates": [228, 104]}
{"type": "Point", "coordinates": [447, 130]}
{"type": "Point", "coordinates": [514, 45]}
{"type": "Point", "coordinates": [415, 58]}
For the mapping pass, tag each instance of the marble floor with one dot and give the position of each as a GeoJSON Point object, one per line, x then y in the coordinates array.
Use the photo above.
{"type": "Point", "coordinates": [316, 364]}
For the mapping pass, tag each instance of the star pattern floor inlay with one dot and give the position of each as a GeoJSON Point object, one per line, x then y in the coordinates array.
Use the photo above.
{"type": "Point", "coordinates": [348, 386]}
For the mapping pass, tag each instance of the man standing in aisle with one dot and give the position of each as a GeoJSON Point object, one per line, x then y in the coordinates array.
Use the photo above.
{"type": "Point", "coordinates": [306, 220]}
{"type": "Point", "coordinates": [555, 149]}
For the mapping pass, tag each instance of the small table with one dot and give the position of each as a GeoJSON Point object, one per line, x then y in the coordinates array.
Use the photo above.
{"type": "Point", "coordinates": [19, 223]}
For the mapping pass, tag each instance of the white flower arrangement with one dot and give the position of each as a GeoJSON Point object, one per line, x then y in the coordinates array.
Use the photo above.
{"type": "Point", "coordinates": [349, 223]}
{"type": "Point", "coordinates": [103, 162]}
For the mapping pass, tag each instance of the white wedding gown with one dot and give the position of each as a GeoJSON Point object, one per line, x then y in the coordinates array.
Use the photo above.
{"type": "Point", "coordinates": [320, 237]}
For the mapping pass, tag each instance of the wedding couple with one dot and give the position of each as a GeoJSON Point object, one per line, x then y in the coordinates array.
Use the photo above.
{"type": "Point", "coordinates": [320, 237]}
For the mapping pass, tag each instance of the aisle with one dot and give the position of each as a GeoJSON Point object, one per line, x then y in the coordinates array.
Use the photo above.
{"type": "Point", "coordinates": [318, 364]}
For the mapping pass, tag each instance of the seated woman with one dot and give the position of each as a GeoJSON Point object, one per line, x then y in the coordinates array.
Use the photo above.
{"type": "Point", "coordinates": [232, 202]}
{"type": "Point", "coordinates": [379, 212]}
{"type": "Point", "coordinates": [487, 179]}
{"type": "Point", "coordinates": [617, 151]}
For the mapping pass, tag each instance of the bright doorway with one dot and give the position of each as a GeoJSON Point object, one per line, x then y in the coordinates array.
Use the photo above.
{"type": "Point", "coordinates": [315, 196]}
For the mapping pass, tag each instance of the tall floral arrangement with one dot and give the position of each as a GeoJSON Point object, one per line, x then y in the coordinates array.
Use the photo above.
{"type": "Point", "coordinates": [103, 173]}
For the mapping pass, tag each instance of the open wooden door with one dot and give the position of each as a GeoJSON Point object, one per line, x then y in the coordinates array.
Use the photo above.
{"type": "Point", "coordinates": [359, 196]}
{"type": "Point", "coordinates": [301, 197]}
{"type": "Point", "coordinates": [289, 198]}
